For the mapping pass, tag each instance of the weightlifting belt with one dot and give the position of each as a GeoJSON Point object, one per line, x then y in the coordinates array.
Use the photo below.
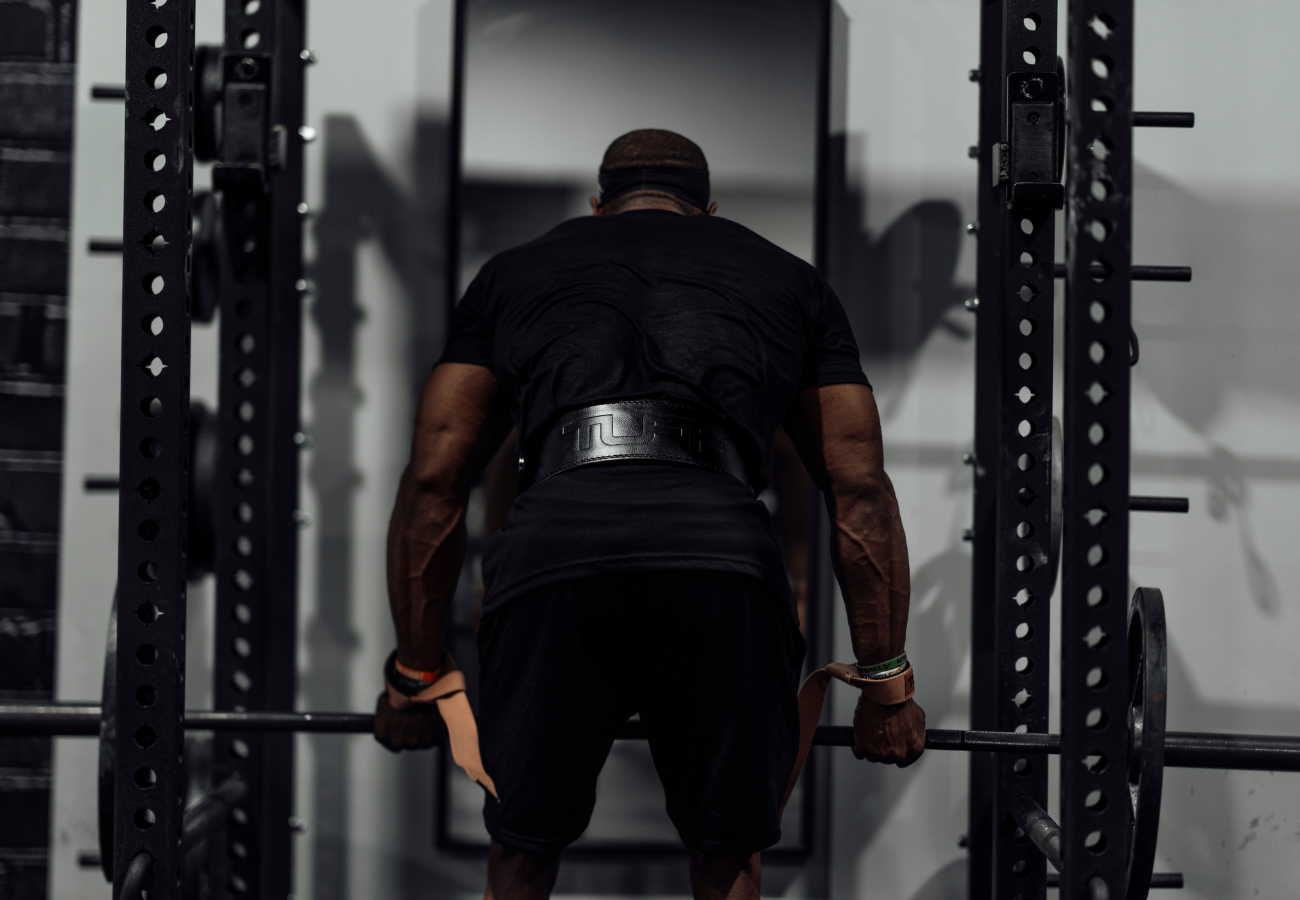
{"type": "Point", "coordinates": [885, 691]}
{"type": "Point", "coordinates": [629, 430]}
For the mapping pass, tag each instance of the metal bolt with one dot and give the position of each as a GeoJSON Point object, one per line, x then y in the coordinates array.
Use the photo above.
{"type": "Point", "coordinates": [305, 286]}
{"type": "Point", "coordinates": [297, 824]}
{"type": "Point", "coordinates": [974, 75]}
{"type": "Point", "coordinates": [308, 56]}
{"type": "Point", "coordinates": [307, 133]}
{"type": "Point", "coordinates": [967, 534]}
{"type": "Point", "coordinates": [972, 227]}
{"type": "Point", "coordinates": [968, 459]}
{"type": "Point", "coordinates": [246, 69]}
{"type": "Point", "coordinates": [963, 841]}
{"type": "Point", "coordinates": [305, 211]}
{"type": "Point", "coordinates": [302, 439]}
{"type": "Point", "coordinates": [302, 517]}
{"type": "Point", "coordinates": [973, 152]}
{"type": "Point", "coordinates": [972, 304]}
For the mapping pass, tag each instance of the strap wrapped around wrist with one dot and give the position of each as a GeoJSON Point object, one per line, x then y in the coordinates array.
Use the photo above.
{"type": "Point", "coordinates": [889, 691]}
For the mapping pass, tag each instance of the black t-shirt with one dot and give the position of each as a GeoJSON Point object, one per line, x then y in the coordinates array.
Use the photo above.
{"type": "Point", "coordinates": [648, 304]}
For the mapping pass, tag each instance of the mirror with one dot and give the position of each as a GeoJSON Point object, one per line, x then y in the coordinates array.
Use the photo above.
{"type": "Point", "coordinates": [543, 88]}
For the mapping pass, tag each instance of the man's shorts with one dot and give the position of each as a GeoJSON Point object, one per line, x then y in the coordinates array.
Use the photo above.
{"type": "Point", "coordinates": [711, 661]}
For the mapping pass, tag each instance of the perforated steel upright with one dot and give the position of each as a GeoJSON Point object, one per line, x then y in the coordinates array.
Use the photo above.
{"type": "Point", "coordinates": [1013, 572]}
{"type": "Point", "coordinates": [259, 176]}
{"type": "Point", "coordinates": [1094, 602]}
{"type": "Point", "coordinates": [158, 179]}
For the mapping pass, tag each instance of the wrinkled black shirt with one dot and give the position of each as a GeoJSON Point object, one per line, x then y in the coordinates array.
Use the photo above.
{"type": "Point", "coordinates": [653, 304]}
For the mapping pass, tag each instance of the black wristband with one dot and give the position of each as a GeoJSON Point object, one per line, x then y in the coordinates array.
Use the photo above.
{"type": "Point", "coordinates": [407, 687]}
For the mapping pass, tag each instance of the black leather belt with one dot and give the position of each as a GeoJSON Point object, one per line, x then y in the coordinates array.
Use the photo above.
{"type": "Point", "coordinates": [630, 430]}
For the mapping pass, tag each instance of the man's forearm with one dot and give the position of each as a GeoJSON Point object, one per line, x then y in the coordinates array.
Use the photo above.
{"type": "Point", "coordinates": [426, 545]}
{"type": "Point", "coordinates": [869, 552]}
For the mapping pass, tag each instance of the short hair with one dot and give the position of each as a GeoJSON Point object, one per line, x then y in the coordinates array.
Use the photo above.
{"type": "Point", "coordinates": [653, 147]}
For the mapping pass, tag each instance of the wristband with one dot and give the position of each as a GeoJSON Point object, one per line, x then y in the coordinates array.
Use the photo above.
{"type": "Point", "coordinates": [407, 681]}
{"type": "Point", "coordinates": [883, 669]}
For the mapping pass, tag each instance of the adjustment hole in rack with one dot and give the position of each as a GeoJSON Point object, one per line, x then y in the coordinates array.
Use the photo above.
{"type": "Point", "coordinates": [241, 648]}
{"type": "Point", "coordinates": [1024, 530]}
{"type": "Point", "coordinates": [1096, 516]}
{"type": "Point", "coordinates": [241, 682]}
{"type": "Point", "coordinates": [156, 119]}
{"type": "Point", "coordinates": [1095, 638]}
{"type": "Point", "coordinates": [238, 850]}
{"type": "Point", "coordinates": [1096, 596]}
{"type": "Point", "coordinates": [1027, 259]}
{"type": "Point", "coordinates": [1100, 148]}
{"type": "Point", "coordinates": [151, 407]}
{"type": "Point", "coordinates": [1096, 763]}
{"type": "Point", "coordinates": [1022, 767]}
{"type": "Point", "coordinates": [1023, 597]}
{"type": "Point", "coordinates": [1096, 474]}
{"type": "Point", "coordinates": [1027, 226]}
{"type": "Point", "coordinates": [144, 737]}
{"type": "Point", "coordinates": [237, 885]}
{"type": "Point", "coordinates": [1097, 352]}
{"type": "Point", "coordinates": [1032, 21]}
{"type": "Point", "coordinates": [1025, 428]}
{"type": "Point", "coordinates": [1101, 105]}
{"type": "Point", "coordinates": [1098, 230]}
{"type": "Point", "coordinates": [1019, 836]}
{"type": "Point", "coordinates": [1026, 495]}
{"type": "Point", "coordinates": [1031, 55]}
{"type": "Point", "coordinates": [251, 7]}
{"type": "Point", "coordinates": [149, 490]}
{"type": "Point", "coordinates": [247, 378]}
{"type": "Point", "coordinates": [1027, 292]}
{"type": "Point", "coordinates": [145, 695]}
{"type": "Point", "coordinates": [1024, 563]}
{"type": "Point", "coordinates": [148, 530]}
{"type": "Point", "coordinates": [154, 242]}
{"type": "Point", "coordinates": [1096, 555]}
{"type": "Point", "coordinates": [148, 572]}
{"type": "Point", "coordinates": [1095, 841]}
{"type": "Point", "coordinates": [242, 580]}
{"type": "Point", "coordinates": [1028, 327]}
{"type": "Point", "coordinates": [244, 477]}
{"type": "Point", "coordinates": [154, 201]}
{"type": "Point", "coordinates": [244, 512]}
{"type": "Point", "coordinates": [154, 283]}
{"type": "Point", "coordinates": [152, 366]}
{"type": "Point", "coordinates": [250, 38]}
{"type": "Point", "coordinates": [1095, 801]}
{"type": "Point", "coordinates": [145, 778]}
{"type": "Point", "coordinates": [1024, 632]}
{"type": "Point", "coordinates": [1020, 868]}
{"type": "Point", "coordinates": [239, 749]}
{"type": "Point", "coordinates": [1102, 26]}
{"type": "Point", "coordinates": [1025, 462]}
{"type": "Point", "coordinates": [246, 343]}
{"type": "Point", "coordinates": [1096, 678]}
{"type": "Point", "coordinates": [1097, 392]}
{"type": "Point", "coordinates": [1101, 188]}
{"type": "Point", "coordinates": [1024, 665]}
{"type": "Point", "coordinates": [156, 37]}
{"type": "Point", "coordinates": [1097, 311]}
{"type": "Point", "coordinates": [1026, 361]}
{"type": "Point", "coordinates": [245, 411]}
{"type": "Point", "coordinates": [156, 78]}
{"type": "Point", "coordinates": [146, 654]}
{"type": "Point", "coordinates": [244, 546]}
{"type": "Point", "coordinates": [245, 445]}
{"type": "Point", "coordinates": [1025, 394]}
{"type": "Point", "coordinates": [239, 816]}
{"type": "Point", "coordinates": [1100, 66]}
{"type": "Point", "coordinates": [150, 448]}
{"type": "Point", "coordinates": [242, 613]}
{"type": "Point", "coordinates": [146, 613]}
{"type": "Point", "coordinates": [144, 819]}
{"type": "Point", "coordinates": [1100, 270]}
{"type": "Point", "coordinates": [1096, 433]}
{"type": "Point", "coordinates": [1023, 699]}
{"type": "Point", "coordinates": [152, 325]}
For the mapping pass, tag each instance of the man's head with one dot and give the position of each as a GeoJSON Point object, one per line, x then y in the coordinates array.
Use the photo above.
{"type": "Point", "coordinates": [653, 169]}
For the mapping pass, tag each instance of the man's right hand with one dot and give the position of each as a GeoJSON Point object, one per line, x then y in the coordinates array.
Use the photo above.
{"type": "Point", "coordinates": [888, 734]}
{"type": "Point", "coordinates": [417, 727]}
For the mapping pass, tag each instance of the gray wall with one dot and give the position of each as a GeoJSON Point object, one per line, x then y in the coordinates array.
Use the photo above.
{"type": "Point", "coordinates": [1216, 418]}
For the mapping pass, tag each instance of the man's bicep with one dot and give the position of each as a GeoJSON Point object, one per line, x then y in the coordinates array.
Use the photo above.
{"type": "Point", "coordinates": [839, 432]}
{"type": "Point", "coordinates": [459, 413]}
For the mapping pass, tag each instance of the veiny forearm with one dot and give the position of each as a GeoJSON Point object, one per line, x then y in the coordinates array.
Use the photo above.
{"type": "Point", "coordinates": [426, 546]}
{"type": "Point", "coordinates": [869, 553]}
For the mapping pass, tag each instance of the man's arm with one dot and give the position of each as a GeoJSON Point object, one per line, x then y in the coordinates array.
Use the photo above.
{"type": "Point", "coordinates": [838, 433]}
{"type": "Point", "coordinates": [426, 535]}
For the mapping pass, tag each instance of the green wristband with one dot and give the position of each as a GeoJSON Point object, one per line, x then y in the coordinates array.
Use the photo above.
{"type": "Point", "coordinates": [876, 669]}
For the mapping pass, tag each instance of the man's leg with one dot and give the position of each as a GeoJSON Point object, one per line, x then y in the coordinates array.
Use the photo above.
{"type": "Point", "coordinates": [725, 877]}
{"type": "Point", "coordinates": [520, 875]}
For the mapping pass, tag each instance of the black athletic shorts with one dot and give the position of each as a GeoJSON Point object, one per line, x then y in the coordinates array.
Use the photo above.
{"type": "Point", "coordinates": [711, 661]}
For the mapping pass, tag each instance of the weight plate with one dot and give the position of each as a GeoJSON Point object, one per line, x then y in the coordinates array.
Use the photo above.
{"type": "Point", "coordinates": [107, 757]}
{"type": "Point", "coordinates": [1147, 682]}
{"type": "Point", "coordinates": [206, 256]}
{"type": "Point", "coordinates": [209, 80]}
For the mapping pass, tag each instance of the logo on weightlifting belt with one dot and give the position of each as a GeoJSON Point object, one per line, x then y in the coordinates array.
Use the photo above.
{"type": "Point", "coordinates": [599, 431]}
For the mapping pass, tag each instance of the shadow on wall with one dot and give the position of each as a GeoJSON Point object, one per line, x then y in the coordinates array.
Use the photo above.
{"type": "Point", "coordinates": [361, 202]}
